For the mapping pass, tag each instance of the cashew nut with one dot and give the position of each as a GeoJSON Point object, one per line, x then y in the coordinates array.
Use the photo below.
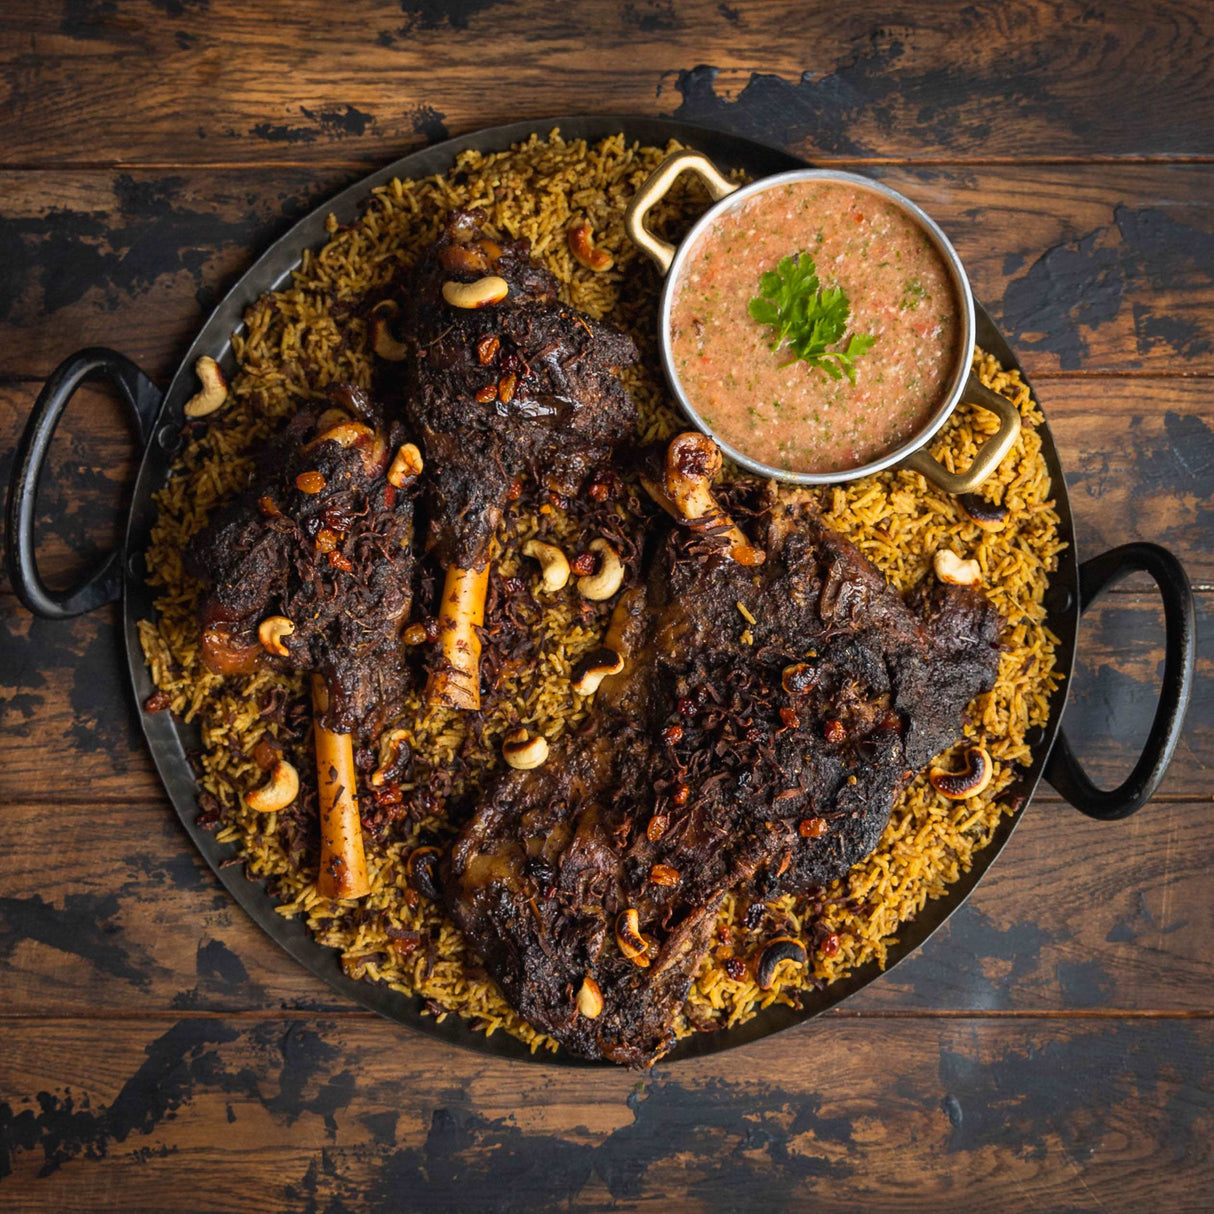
{"type": "Point", "coordinates": [609, 577]}
{"type": "Point", "coordinates": [421, 870]}
{"type": "Point", "coordinates": [384, 342]}
{"type": "Point", "coordinates": [344, 434]}
{"type": "Point", "coordinates": [370, 443]}
{"type": "Point", "coordinates": [593, 669]}
{"type": "Point", "coordinates": [628, 936]}
{"type": "Point", "coordinates": [990, 516]}
{"type": "Point", "coordinates": [969, 781]}
{"type": "Point", "coordinates": [799, 678]}
{"type": "Point", "coordinates": [952, 569]}
{"type": "Point", "coordinates": [479, 294]}
{"type": "Point", "coordinates": [552, 561]}
{"type": "Point", "coordinates": [523, 752]}
{"type": "Point", "coordinates": [214, 388]}
{"type": "Point", "coordinates": [581, 245]}
{"type": "Point", "coordinates": [783, 948]}
{"type": "Point", "coordinates": [389, 749]}
{"type": "Point", "coordinates": [270, 632]}
{"type": "Point", "coordinates": [330, 418]}
{"type": "Point", "coordinates": [277, 792]}
{"type": "Point", "coordinates": [406, 466]}
{"type": "Point", "coordinates": [589, 998]}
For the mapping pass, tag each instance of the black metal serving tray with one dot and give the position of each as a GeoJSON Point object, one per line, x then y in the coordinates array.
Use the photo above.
{"type": "Point", "coordinates": [159, 419]}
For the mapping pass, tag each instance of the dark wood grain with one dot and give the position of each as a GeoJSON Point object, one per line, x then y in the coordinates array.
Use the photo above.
{"type": "Point", "coordinates": [315, 1114]}
{"type": "Point", "coordinates": [112, 912]}
{"type": "Point", "coordinates": [1049, 1048]}
{"type": "Point", "coordinates": [1107, 269]}
{"type": "Point", "coordinates": [219, 82]}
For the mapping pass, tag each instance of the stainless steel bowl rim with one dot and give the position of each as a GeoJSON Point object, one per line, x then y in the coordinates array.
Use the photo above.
{"type": "Point", "coordinates": [961, 285]}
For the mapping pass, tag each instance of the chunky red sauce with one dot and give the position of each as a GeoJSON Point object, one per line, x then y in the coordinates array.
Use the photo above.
{"type": "Point", "coordinates": [795, 416]}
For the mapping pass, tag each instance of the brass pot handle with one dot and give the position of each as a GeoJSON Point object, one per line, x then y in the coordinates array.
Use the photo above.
{"type": "Point", "coordinates": [655, 189]}
{"type": "Point", "coordinates": [990, 454]}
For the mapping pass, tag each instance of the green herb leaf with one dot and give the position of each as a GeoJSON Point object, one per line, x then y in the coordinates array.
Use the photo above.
{"type": "Point", "coordinates": [808, 319]}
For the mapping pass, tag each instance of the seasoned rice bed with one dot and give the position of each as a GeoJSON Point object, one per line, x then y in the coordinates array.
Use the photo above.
{"type": "Point", "coordinates": [296, 342]}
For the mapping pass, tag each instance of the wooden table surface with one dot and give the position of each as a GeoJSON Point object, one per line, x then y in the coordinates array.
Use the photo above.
{"type": "Point", "coordinates": [1050, 1048]}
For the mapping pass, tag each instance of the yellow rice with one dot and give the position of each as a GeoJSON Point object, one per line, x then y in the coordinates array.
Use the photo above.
{"type": "Point", "coordinates": [295, 342]}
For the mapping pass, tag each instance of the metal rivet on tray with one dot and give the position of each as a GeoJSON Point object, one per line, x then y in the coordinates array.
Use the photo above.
{"type": "Point", "coordinates": [169, 437]}
{"type": "Point", "coordinates": [1059, 599]}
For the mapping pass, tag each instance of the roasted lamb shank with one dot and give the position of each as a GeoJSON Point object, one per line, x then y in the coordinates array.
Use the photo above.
{"type": "Point", "coordinates": [776, 697]}
{"type": "Point", "coordinates": [501, 382]}
{"type": "Point", "coordinates": [312, 569]}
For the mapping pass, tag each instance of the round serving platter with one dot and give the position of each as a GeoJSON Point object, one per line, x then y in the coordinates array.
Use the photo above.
{"type": "Point", "coordinates": [170, 740]}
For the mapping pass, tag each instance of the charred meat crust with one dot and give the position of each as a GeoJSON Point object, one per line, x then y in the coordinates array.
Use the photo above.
{"type": "Point", "coordinates": [336, 562]}
{"type": "Point", "coordinates": [701, 764]}
{"type": "Point", "coordinates": [527, 386]}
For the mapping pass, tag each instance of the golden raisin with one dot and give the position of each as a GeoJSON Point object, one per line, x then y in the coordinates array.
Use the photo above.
{"type": "Point", "coordinates": [505, 388]}
{"type": "Point", "coordinates": [656, 828]}
{"type": "Point", "coordinates": [266, 505]}
{"type": "Point", "coordinates": [663, 874]}
{"type": "Point", "coordinates": [340, 562]}
{"type": "Point", "coordinates": [486, 350]}
{"type": "Point", "coordinates": [309, 482]}
{"type": "Point", "coordinates": [326, 540]}
{"type": "Point", "coordinates": [266, 754]}
{"type": "Point", "coordinates": [833, 731]}
{"type": "Point", "coordinates": [811, 828]}
{"type": "Point", "coordinates": [486, 394]}
{"type": "Point", "coordinates": [681, 792]}
{"type": "Point", "coordinates": [415, 634]}
{"type": "Point", "coordinates": [673, 734]}
{"type": "Point", "coordinates": [830, 946]}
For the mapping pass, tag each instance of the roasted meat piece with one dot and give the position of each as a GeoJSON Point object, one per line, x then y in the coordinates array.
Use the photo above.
{"type": "Point", "coordinates": [523, 386]}
{"type": "Point", "coordinates": [321, 540]}
{"type": "Point", "coordinates": [517, 385]}
{"type": "Point", "coordinates": [767, 716]}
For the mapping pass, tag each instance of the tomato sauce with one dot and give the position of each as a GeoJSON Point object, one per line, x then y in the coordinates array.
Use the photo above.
{"type": "Point", "coordinates": [793, 416]}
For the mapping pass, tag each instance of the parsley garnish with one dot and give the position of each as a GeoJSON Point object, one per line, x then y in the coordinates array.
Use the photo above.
{"type": "Point", "coordinates": [807, 318]}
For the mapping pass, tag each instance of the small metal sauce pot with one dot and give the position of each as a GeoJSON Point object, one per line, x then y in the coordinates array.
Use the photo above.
{"type": "Point", "coordinates": [963, 384]}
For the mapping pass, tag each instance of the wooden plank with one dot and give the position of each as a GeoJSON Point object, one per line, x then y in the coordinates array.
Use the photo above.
{"type": "Point", "coordinates": [1138, 456]}
{"type": "Point", "coordinates": [1088, 268]}
{"type": "Point", "coordinates": [238, 82]}
{"type": "Point", "coordinates": [311, 1114]}
{"type": "Point", "coordinates": [70, 730]}
{"type": "Point", "coordinates": [109, 910]}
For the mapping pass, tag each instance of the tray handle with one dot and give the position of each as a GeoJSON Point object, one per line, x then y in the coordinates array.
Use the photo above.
{"type": "Point", "coordinates": [1063, 770]}
{"type": "Point", "coordinates": [142, 399]}
{"type": "Point", "coordinates": [990, 455]}
{"type": "Point", "coordinates": [656, 187]}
